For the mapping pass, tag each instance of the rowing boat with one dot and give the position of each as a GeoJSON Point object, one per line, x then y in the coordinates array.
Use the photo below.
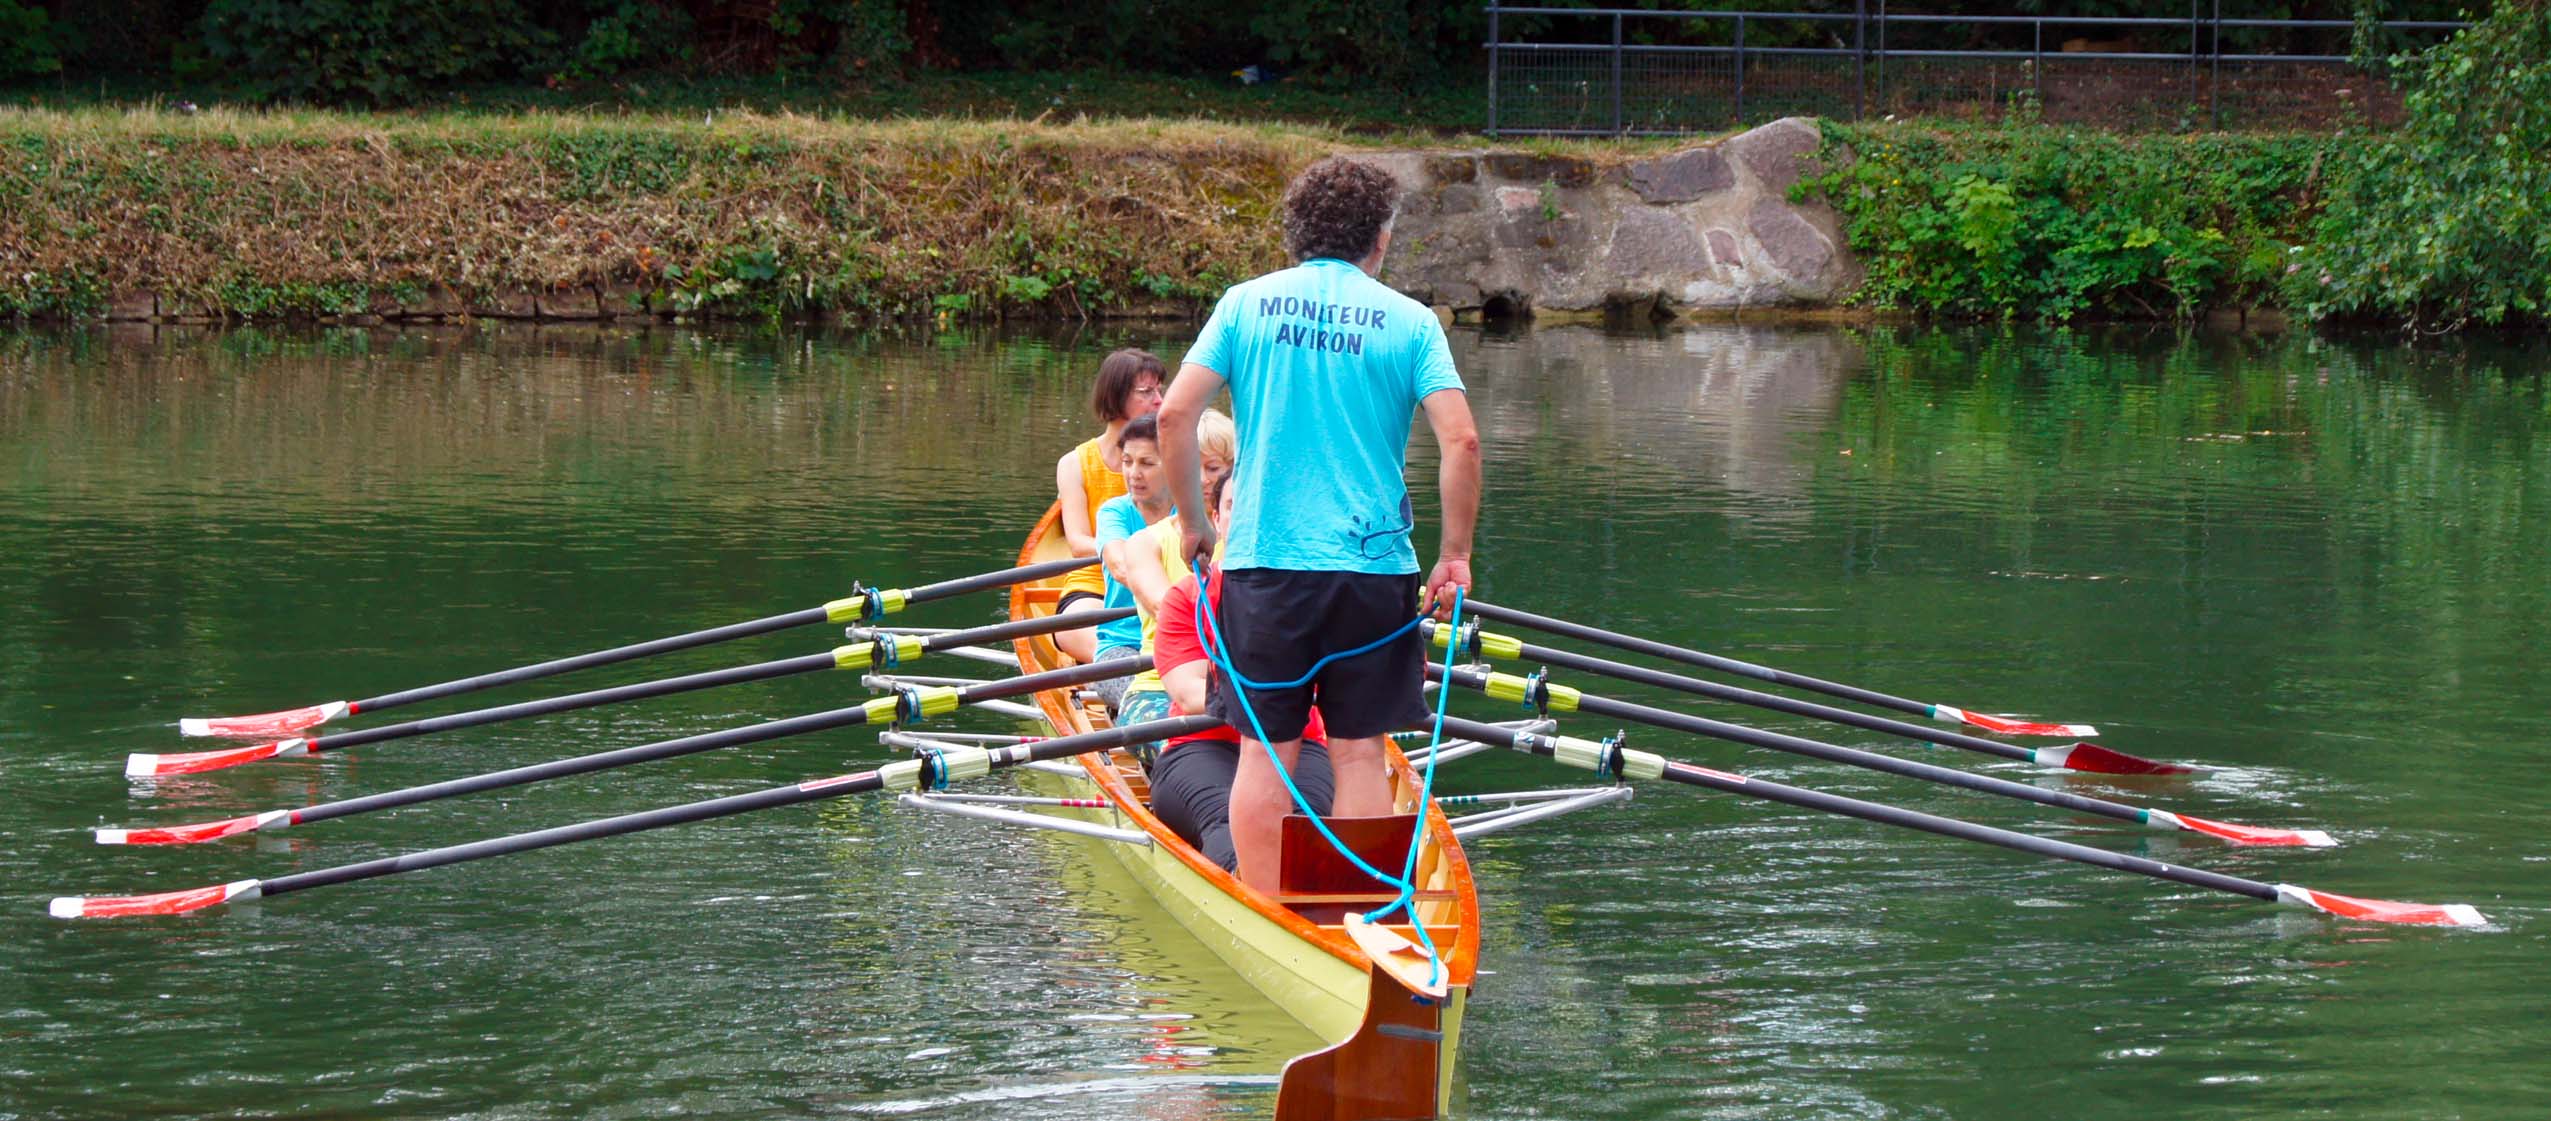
{"type": "Point", "coordinates": [1364, 988]}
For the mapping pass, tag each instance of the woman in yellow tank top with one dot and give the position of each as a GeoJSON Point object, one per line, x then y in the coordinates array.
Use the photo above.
{"type": "Point", "coordinates": [1129, 385]}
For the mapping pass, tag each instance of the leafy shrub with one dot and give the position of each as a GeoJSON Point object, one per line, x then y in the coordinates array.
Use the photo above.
{"type": "Point", "coordinates": [26, 41]}
{"type": "Point", "coordinates": [2042, 222]}
{"type": "Point", "coordinates": [375, 52]}
{"type": "Point", "coordinates": [628, 35]}
{"type": "Point", "coordinates": [2450, 219]}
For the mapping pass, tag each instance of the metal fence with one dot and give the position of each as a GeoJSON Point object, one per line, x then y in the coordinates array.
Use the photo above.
{"type": "Point", "coordinates": [1636, 72]}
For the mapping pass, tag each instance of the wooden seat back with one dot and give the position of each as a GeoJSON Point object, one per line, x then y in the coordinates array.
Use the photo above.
{"type": "Point", "coordinates": [1312, 867]}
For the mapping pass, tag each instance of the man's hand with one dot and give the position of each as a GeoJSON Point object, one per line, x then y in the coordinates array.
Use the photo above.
{"type": "Point", "coordinates": [1196, 541]}
{"type": "Point", "coordinates": [1450, 573]}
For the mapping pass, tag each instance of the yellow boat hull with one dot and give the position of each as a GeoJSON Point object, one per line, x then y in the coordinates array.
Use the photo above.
{"type": "Point", "coordinates": [1314, 971]}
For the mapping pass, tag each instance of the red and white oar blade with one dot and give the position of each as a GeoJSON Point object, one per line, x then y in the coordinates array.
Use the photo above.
{"type": "Point", "coordinates": [290, 721]}
{"type": "Point", "coordinates": [2381, 910]}
{"type": "Point", "coordinates": [2241, 834]}
{"type": "Point", "coordinates": [197, 834]}
{"type": "Point", "coordinates": [2107, 761]}
{"type": "Point", "coordinates": [164, 903]}
{"type": "Point", "coordinates": [2005, 726]}
{"type": "Point", "coordinates": [145, 765]}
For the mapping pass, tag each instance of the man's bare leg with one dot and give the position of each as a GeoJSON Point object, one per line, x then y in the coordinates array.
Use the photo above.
{"type": "Point", "coordinates": [1259, 802]}
{"type": "Point", "coordinates": [1363, 786]}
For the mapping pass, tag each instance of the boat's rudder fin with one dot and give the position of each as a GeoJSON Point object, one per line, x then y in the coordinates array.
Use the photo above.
{"type": "Point", "coordinates": [1387, 1070]}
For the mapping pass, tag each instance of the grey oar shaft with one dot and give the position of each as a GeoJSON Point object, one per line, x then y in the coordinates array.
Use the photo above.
{"type": "Point", "coordinates": [1891, 815]}
{"type": "Point", "coordinates": [1756, 737]}
{"type": "Point", "coordinates": [1664, 680]}
{"type": "Point", "coordinates": [941, 590]}
{"type": "Point", "coordinates": [1688, 657]}
{"type": "Point", "coordinates": [715, 807]}
{"type": "Point", "coordinates": [709, 741]}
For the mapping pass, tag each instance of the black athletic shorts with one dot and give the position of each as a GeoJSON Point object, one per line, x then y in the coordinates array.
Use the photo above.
{"type": "Point", "coordinates": [1191, 791]}
{"type": "Point", "coordinates": [1276, 622]}
{"type": "Point", "coordinates": [1069, 598]}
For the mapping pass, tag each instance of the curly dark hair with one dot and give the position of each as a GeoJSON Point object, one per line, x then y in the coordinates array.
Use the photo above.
{"type": "Point", "coordinates": [1337, 208]}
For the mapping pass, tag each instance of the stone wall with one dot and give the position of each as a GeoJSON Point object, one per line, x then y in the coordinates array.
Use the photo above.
{"type": "Point", "coordinates": [1705, 230]}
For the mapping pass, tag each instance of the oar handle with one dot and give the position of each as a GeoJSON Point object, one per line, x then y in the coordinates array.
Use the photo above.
{"type": "Point", "coordinates": [1023, 574]}
{"type": "Point", "coordinates": [1690, 657]}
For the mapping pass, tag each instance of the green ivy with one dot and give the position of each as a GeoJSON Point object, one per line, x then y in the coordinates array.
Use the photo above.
{"type": "Point", "coordinates": [2034, 222]}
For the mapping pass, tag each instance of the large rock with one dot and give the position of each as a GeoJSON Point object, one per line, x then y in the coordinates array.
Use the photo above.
{"type": "Point", "coordinates": [1706, 228]}
{"type": "Point", "coordinates": [1774, 152]}
{"type": "Point", "coordinates": [1685, 176]}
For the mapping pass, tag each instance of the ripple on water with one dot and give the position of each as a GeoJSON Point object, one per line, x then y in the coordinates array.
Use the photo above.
{"type": "Point", "coordinates": [2338, 622]}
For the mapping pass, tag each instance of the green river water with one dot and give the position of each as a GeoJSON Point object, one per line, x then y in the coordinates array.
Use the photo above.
{"type": "Point", "coordinates": [2323, 566]}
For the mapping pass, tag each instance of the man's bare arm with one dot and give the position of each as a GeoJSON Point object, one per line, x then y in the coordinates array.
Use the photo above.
{"type": "Point", "coordinates": [1457, 439]}
{"type": "Point", "coordinates": [1189, 394]}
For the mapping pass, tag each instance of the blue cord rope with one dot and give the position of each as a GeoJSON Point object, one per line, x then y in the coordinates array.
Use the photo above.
{"type": "Point", "coordinates": [1417, 839]}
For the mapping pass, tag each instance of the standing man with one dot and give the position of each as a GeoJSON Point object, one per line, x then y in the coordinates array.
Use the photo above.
{"type": "Point", "coordinates": [1326, 367]}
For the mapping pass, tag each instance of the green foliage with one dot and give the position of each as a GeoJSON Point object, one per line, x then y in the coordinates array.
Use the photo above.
{"type": "Point", "coordinates": [1388, 42]}
{"type": "Point", "coordinates": [51, 295]}
{"type": "Point", "coordinates": [869, 35]}
{"type": "Point", "coordinates": [2450, 219]}
{"type": "Point", "coordinates": [26, 41]}
{"type": "Point", "coordinates": [628, 35]}
{"type": "Point", "coordinates": [375, 52]}
{"type": "Point", "coordinates": [2039, 222]}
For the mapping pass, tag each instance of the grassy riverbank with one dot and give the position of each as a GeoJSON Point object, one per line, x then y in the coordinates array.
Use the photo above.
{"type": "Point", "coordinates": [155, 213]}
{"type": "Point", "coordinates": [281, 214]}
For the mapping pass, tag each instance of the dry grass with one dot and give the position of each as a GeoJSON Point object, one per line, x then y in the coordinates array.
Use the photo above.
{"type": "Point", "coordinates": [259, 214]}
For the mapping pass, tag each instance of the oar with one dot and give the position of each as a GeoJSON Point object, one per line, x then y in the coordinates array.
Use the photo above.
{"type": "Point", "coordinates": [1610, 758]}
{"type": "Point", "coordinates": [1542, 695]}
{"type": "Point", "coordinates": [929, 772]}
{"type": "Point", "coordinates": [883, 650]}
{"type": "Point", "coordinates": [1998, 725]}
{"type": "Point", "coordinates": [863, 604]}
{"type": "Point", "coordinates": [2077, 756]}
{"type": "Point", "coordinates": [908, 704]}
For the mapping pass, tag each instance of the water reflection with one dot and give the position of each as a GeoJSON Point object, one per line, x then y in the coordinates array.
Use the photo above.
{"type": "Point", "coordinates": [2317, 563]}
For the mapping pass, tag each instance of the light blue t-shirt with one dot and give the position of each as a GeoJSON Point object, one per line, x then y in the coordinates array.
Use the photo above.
{"type": "Point", "coordinates": [1118, 518]}
{"type": "Point", "coordinates": [1326, 367]}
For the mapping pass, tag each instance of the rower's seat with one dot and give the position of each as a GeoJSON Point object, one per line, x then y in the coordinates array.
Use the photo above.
{"type": "Point", "coordinates": [1321, 885]}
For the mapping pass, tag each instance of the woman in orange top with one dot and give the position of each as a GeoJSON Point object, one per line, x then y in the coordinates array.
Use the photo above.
{"type": "Point", "coordinates": [1129, 385]}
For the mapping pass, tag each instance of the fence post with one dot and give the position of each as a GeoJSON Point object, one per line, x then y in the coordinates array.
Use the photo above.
{"type": "Point", "coordinates": [1492, 67]}
{"type": "Point", "coordinates": [1882, 54]}
{"type": "Point", "coordinates": [1740, 69]}
{"type": "Point", "coordinates": [2214, 77]}
{"type": "Point", "coordinates": [2037, 64]}
{"type": "Point", "coordinates": [2192, 57]}
{"type": "Point", "coordinates": [1859, 59]}
{"type": "Point", "coordinates": [1617, 125]}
